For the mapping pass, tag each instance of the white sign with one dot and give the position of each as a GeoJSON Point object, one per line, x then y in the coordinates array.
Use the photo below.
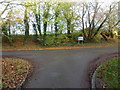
{"type": "Point", "coordinates": [80, 38]}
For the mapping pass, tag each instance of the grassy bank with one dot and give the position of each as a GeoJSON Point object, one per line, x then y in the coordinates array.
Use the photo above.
{"type": "Point", "coordinates": [108, 72]}
{"type": "Point", "coordinates": [62, 44]}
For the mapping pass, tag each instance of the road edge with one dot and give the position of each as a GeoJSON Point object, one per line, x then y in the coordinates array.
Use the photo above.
{"type": "Point", "coordinates": [93, 65]}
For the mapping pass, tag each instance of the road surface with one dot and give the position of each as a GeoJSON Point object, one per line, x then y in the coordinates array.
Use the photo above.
{"type": "Point", "coordinates": [60, 68]}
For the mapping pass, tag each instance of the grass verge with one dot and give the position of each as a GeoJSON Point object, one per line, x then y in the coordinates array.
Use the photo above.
{"type": "Point", "coordinates": [108, 73]}
{"type": "Point", "coordinates": [65, 46]}
{"type": "Point", "coordinates": [14, 71]}
{"type": "Point", "coordinates": [50, 43]}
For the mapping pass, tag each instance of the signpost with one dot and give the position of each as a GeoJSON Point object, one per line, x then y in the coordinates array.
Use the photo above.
{"type": "Point", "coordinates": [80, 39]}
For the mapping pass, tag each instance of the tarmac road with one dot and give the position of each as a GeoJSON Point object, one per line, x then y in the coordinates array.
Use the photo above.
{"type": "Point", "coordinates": [60, 68]}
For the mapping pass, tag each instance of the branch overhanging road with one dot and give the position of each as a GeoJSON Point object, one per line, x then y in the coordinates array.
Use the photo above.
{"type": "Point", "coordinates": [60, 68]}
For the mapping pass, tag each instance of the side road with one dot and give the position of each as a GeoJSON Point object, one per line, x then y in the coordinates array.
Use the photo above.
{"type": "Point", "coordinates": [60, 68]}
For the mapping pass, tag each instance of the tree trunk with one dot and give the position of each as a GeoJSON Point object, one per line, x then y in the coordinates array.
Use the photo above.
{"type": "Point", "coordinates": [9, 27]}
{"type": "Point", "coordinates": [83, 28]}
{"type": "Point", "coordinates": [36, 34]}
{"type": "Point", "coordinates": [26, 23]}
{"type": "Point", "coordinates": [101, 25]}
{"type": "Point", "coordinates": [7, 34]}
{"type": "Point", "coordinates": [38, 23]}
{"type": "Point", "coordinates": [45, 28]}
{"type": "Point", "coordinates": [68, 27]}
{"type": "Point", "coordinates": [56, 29]}
{"type": "Point", "coordinates": [44, 36]}
{"type": "Point", "coordinates": [103, 35]}
{"type": "Point", "coordinates": [56, 24]}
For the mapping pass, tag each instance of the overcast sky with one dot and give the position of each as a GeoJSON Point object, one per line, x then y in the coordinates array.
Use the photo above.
{"type": "Point", "coordinates": [106, 1]}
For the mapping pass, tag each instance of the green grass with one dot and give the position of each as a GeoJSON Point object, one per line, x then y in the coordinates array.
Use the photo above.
{"type": "Point", "coordinates": [109, 73]}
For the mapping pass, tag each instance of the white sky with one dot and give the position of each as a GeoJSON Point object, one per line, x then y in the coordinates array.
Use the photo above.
{"type": "Point", "coordinates": [106, 1]}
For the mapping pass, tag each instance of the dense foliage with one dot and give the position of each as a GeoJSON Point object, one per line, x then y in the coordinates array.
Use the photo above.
{"type": "Point", "coordinates": [53, 23]}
